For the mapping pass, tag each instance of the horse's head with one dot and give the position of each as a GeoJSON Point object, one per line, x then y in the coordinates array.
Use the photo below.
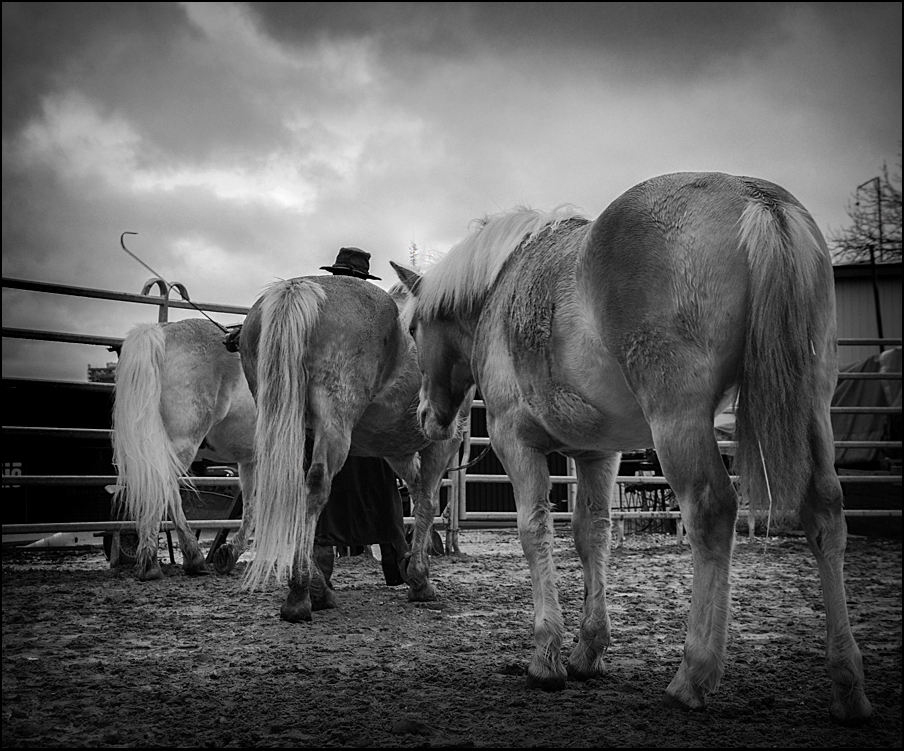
{"type": "Point", "coordinates": [444, 358]}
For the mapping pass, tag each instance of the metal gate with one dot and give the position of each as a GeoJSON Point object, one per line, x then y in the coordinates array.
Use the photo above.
{"type": "Point", "coordinates": [463, 485]}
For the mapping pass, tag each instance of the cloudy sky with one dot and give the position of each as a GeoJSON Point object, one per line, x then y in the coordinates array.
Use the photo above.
{"type": "Point", "coordinates": [249, 142]}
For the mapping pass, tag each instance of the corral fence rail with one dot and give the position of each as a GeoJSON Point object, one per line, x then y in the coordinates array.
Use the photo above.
{"type": "Point", "coordinates": [456, 514]}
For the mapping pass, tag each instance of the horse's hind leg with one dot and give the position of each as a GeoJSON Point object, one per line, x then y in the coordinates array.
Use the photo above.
{"type": "Point", "coordinates": [822, 518]}
{"type": "Point", "coordinates": [308, 590]}
{"type": "Point", "coordinates": [227, 555]}
{"type": "Point", "coordinates": [690, 459]}
{"type": "Point", "coordinates": [146, 564]}
{"type": "Point", "coordinates": [193, 560]}
{"type": "Point", "coordinates": [592, 529]}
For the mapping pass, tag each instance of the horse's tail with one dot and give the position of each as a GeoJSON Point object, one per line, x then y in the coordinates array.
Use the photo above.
{"type": "Point", "coordinates": [147, 462]}
{"type": "Point", "coordinates": [288, 311]}
{"type": "Point", "coordinates": [789, 353]}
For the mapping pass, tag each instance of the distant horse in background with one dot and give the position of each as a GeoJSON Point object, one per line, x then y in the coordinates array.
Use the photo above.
{"type": "Point", "coordinates": [635, 330]}
{"type": "Point", "coordinates": [327, 356]}
{"type": "Point", "coordinates": [179, 392]}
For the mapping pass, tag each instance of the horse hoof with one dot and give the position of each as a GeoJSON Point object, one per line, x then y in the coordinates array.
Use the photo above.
{"type": "Point", "coordinates": [327, 601]}
{"type": "Point", "coordinates": [549, 683]}
{"type": "Point", "coordinates": [575, 674]}
{"type": "Point", "coordinates": [295, 614]}
{"type": "Point", "coordinates": [151, 574]}
{"type": "Point", "coordinates": [673, 702]}
{"type": "Point", "coordinates": [851, 716]}
{"type": "Point", "coordinates": [422, 594]}
{"type": "Point", "coordinates": [197, 569]}
{"type": "Point", "coordinates": [224, 559]}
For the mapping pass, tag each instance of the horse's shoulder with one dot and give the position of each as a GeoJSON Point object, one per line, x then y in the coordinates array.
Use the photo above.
{"type": "Point", "coordinates": [535, 281]}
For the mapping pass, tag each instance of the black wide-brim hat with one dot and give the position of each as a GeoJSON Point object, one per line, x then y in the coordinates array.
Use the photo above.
{"type": "Point", "coordinates": [354, 262]}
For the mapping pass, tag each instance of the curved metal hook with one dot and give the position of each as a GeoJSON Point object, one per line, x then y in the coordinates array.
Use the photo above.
{"type": "Point", "coordinates": [165, 286]}
{"type": "Point", "coordinates": [161, 285]}
{"type": "Point", "coordinates": [182, 291]}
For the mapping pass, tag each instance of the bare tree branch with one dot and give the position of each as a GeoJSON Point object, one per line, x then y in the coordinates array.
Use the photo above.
{"type": "Point", "coordinates": [866, 238]}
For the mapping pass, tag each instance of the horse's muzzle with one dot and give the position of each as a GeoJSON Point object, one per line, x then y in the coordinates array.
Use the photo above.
{"type": "Point", "coordinates": [433, 427]}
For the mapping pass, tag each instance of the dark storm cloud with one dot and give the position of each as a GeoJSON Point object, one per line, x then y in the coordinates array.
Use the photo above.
{"type": "Point", "coordinates": [52, 46]}
{"type": "Point", "coordinates": [635, 41]}
{"type": "Point", "coordinates": [683, 36]}
{"type": "Point", "coordinates": [146, 61]}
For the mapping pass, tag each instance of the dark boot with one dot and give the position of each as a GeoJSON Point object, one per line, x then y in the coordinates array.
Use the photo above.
{"type": "Point", "coordinates": [392, 557]}
{"type": "Point", "coordinates": [324, 558]}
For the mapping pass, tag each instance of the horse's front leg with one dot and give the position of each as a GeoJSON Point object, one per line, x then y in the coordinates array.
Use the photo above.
{"type": "Point", "coordinates": [425, 506]}
{"type": "Point", "coordinates": [592, 529]}
{"type": "Point", "coordinates": [424, 475]}
{"type": "Point", "coordinates": [529, 474]}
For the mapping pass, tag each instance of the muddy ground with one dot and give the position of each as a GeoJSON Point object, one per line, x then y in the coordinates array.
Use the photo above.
{"type": "Point", "coordinates": [92, 657]}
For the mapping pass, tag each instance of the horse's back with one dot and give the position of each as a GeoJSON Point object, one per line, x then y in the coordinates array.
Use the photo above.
{"type": "Point", "coordinates": [354, 348]}
{"type": "Point", "coordinates": [651, 301]}
{"type": "Point", "coordinates": [358, 320]}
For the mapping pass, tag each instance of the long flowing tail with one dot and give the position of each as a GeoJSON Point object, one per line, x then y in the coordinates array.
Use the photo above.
{"type": "Point", "coordinates": [789, 354]}
{"type": "Point", "coordinates": [288, 311]}
{"type": "Point", "coordinates": [147, 463]}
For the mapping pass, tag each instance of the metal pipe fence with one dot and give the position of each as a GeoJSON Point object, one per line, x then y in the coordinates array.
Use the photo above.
{"type": "Point", "coordinates": [457, 513]}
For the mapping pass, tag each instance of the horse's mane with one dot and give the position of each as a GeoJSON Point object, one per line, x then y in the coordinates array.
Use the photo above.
{"type": "Point", "coordinates": [458, 282]}
{"type": "Point", "coordinates": [398, 291]}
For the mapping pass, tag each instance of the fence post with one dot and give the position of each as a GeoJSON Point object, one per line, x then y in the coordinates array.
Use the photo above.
{"type": "Point", "coordinates": [165, 289]}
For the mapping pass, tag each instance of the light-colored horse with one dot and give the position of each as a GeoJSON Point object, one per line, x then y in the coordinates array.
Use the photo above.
{"type": "Point", "coordinates": [179, 394]}
{"type": "Point", "coordinates": [327, 356]}
{"type": "Point", "coordinates": [635, 330]}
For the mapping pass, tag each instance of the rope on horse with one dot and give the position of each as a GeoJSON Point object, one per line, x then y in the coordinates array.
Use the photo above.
{"type": "Point", "coordinates": [168, 284]}
{"type": "Point", "coordinates": [472, 462]}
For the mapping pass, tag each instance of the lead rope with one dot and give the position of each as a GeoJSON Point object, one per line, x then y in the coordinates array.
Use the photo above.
{"type": "Point", "coordinates": [768, 493]}
{"type": "Point", "coordinates": [472, 462]}
{"type": "Point", "coordinates": [168, 285]}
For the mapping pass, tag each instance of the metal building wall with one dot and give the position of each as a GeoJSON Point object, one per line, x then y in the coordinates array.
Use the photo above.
{"type": "Point", "coordinates": [856, 309]}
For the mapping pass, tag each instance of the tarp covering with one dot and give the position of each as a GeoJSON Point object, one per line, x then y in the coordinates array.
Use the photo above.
{"type": "Point", "coordinates": [855, 427]}
{"type": "Point", "coordinates": [869, 427]}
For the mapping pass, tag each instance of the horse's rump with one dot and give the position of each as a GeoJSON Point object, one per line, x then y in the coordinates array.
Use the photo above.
{"type": "Point", "coordinates": [726, 280]}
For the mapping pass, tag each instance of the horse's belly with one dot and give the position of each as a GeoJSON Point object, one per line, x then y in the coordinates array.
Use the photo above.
{"type": "Point", "coordinates": [585, 402]}
{"type": "Point", "coordinates": [574, 422]}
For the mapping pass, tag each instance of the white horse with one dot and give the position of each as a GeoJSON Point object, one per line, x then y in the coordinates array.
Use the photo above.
{"type": "Point", "coordinates": [327, 357]}
{"type": "Point", "coordinates": [632, 331]}
{"type": "Point", "coordinates": [179, 393]}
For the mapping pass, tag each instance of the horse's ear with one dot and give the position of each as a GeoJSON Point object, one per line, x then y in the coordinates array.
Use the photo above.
{"type": "Point", "coordinates": [409, 277]}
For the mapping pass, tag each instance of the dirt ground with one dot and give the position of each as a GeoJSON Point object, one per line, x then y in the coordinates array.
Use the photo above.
{"type": "Point", "coordinates": [92, 657]}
